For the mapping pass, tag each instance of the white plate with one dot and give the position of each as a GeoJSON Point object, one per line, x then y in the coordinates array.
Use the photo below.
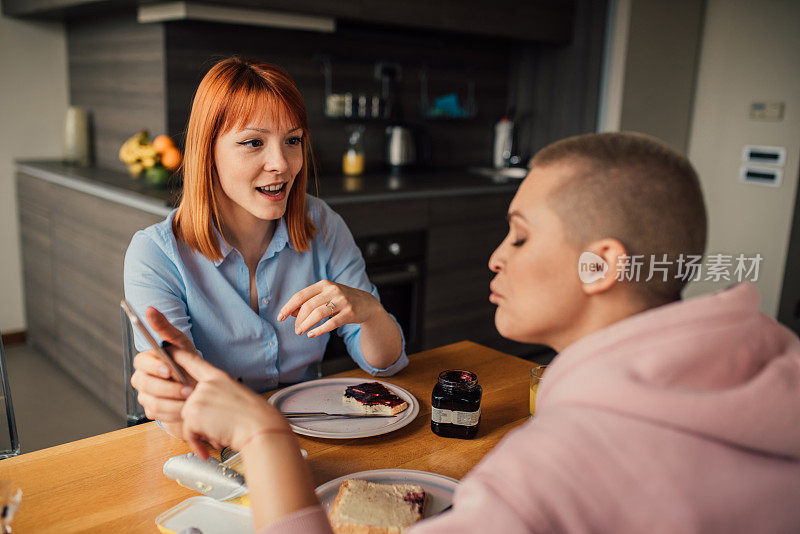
{"type": "Point", "coordinates": [325, 395]}
{"type": "Point", "coordinates": [440, 488]}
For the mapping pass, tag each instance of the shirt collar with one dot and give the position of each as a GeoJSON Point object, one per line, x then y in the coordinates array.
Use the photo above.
{"type": "Point", "coordinates": [280, 240]}
{"type": "Point", "coordinates": [224, 247]}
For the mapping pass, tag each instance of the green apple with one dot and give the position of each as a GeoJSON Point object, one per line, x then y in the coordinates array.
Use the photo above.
{"type": "Point", "coordinates": [157, 176]}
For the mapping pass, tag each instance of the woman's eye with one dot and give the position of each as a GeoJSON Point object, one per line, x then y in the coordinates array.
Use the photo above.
{"type": "Point", "coordinates": [518, 242]}
{"type": "Point", "coordinates": [294, 140]}
{"type": "Point", "coordinates": [252, 143]}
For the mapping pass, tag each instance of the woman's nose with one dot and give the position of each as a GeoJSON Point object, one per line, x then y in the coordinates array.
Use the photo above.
{"type": "Point", "coordinates": [275, 161]}
{"type": "Point", "coordinates": [495, 260]}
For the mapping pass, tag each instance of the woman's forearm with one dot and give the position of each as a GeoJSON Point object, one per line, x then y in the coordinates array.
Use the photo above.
{"type": "Point", "coordinates": [278, 478]}
{"type": "Point", "coordinates": [381, 343]}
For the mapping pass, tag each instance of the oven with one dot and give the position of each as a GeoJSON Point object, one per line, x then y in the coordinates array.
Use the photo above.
{"type": "Point", "coordinates": [395, 263]}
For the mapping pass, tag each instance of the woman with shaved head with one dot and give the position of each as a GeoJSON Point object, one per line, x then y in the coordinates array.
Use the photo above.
{"type": "Point", "coordinates": [657, 415]}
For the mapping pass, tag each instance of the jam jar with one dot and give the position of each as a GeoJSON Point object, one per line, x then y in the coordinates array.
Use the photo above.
{"type": "Point", "coordinates": [456, 405]}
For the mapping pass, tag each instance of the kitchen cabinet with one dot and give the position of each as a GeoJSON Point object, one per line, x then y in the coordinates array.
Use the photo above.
{"type": "Point", "coordinates": [60, 9]}
{"type": "Point", "coordinates": [73, 247]}
{"type": "Point", "coordinates": [36, 223]}
{"type": "Point", "coordinates": [548, 21]}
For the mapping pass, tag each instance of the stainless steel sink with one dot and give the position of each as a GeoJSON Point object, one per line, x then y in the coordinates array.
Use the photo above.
{"type": "Point", "coordinates": [501, 175]}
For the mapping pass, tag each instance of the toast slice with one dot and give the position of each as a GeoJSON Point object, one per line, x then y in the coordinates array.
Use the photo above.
{"type": "Point", "coordinates": [363, 507]}
{"type": "Point", "coordinates": [373, 397]}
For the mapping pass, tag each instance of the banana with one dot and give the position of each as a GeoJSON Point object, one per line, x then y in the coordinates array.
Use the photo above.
{"type": "Point", "coordinates": [147, 152]}
{"type": "Point", "coordinates": [136, 150]}
{"type": "Point", "coordinates": [135, 169]}
{"type": "Point", "coordinates": [127, 152]}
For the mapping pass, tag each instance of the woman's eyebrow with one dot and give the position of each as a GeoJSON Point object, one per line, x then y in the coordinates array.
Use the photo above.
{"type": "Point", "coordinates": [511, 214]}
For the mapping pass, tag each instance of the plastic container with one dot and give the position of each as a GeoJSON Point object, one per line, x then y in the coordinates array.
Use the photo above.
{"type": "Point", "coordinates": [208, 515]}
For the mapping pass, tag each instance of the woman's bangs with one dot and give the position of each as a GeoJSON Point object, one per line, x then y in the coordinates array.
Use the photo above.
{"type": "Point", "coordinates": [251, 106]}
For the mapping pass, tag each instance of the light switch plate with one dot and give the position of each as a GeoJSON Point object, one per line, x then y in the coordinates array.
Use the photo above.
{"type": "Point", "coordinates": [766, 110]}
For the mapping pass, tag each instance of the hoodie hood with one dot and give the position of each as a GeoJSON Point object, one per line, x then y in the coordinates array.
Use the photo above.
{"type": "Point", "coordinates": [713, 366]}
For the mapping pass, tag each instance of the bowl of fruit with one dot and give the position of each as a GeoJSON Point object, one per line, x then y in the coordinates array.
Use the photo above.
{"type": "Point", "coordinates": [154, 160]}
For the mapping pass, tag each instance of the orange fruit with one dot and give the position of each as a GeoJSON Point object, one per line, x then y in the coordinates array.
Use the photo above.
{"type": "Point", "coordinates": [162, 143]}
{"type": "Point", "coordinates": [171, 158]}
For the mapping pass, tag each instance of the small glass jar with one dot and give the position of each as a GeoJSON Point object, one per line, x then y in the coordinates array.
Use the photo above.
{"type": "Point", "coordinates": [456, 405]}
{"type": "Point", "coordinates": [353, 158]}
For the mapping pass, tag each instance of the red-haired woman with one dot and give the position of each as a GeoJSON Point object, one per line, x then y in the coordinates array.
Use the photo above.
{"type": "Point", "coordinates": [247, 249]}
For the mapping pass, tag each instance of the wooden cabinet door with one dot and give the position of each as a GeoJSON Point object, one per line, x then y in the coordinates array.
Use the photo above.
{"type": "Point", "coordinates": [73, 252]}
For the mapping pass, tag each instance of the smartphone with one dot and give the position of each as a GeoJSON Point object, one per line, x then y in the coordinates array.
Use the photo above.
{"type": "Point", "coordinates": [177, 372]}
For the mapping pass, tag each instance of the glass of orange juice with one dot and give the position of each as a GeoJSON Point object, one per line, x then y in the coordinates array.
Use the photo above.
{"type": "Point", "coordinates": [536, 377]}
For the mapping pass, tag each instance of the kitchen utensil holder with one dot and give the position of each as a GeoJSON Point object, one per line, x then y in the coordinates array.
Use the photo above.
{"type": "Point", "coordinates": [352, 106]}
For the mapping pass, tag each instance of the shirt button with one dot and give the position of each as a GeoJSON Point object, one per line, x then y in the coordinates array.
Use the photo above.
{"type": "Point", "coordinates": [271, 344]}
{"type": "Point", "coordinates": [264, 301]}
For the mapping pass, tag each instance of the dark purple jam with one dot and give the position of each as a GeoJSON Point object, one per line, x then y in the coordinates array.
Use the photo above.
{"type": "Point", "coordinates": [416, 499]}
{"type": "Point", "coordinates": [373, 393]}
{"type": "Point", "coordinates": [456, 405]}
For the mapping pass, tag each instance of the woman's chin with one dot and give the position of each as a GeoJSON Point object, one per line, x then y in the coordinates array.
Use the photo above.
{"type": "Point", "coordinates": [269, 213]}
{"type": "Point", "coordinates": [505, 326]}
{"type": "Point", "coordinates": [514, 329]}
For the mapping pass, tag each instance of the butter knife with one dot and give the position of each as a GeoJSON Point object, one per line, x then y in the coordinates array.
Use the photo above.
{"type": "Point", "coordinates": [291, 415]}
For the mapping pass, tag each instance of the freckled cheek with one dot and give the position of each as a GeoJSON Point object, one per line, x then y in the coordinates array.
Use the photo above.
{"type": "Point", "coordinates": [296, 163]}
{"type": "Point", "coordinates": [233, 173]}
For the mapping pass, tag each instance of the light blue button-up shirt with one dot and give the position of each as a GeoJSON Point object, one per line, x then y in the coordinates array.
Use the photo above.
{"type": "Point", "coordinates": [209, 300]}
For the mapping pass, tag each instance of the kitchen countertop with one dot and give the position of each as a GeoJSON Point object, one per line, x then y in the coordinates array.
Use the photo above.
{"type": "Point", "coordinates": [372, 187]}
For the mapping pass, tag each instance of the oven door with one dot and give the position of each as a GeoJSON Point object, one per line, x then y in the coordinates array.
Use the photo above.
{"type": "Point", "coordinates": [400, 288]}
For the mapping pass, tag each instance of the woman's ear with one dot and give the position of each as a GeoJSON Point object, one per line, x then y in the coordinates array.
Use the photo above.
{"type": "Point", "coordinates": [599, 265]}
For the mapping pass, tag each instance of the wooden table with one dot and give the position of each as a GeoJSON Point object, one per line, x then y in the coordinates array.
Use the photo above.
{"type": "Point", "coordinates": [113, 482]}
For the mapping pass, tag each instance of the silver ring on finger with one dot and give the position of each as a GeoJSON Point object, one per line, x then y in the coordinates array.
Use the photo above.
{"type": "Point", "coordinates": [331, 307]}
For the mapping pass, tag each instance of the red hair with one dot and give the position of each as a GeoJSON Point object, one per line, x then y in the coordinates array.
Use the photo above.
{"type": "Point", "coordinates": [233, 93]}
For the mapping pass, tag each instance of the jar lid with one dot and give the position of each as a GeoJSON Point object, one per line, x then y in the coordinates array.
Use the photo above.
{"type": "Point", "coordinates": [457, 378]}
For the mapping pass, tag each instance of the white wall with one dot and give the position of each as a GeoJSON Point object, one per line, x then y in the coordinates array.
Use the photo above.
{"type": "Point", "coordinates": [33, 101]}
{"type": "Point", "coordinates": [650, 68]}
{"type": "Point", "coordinates": [750, 51]}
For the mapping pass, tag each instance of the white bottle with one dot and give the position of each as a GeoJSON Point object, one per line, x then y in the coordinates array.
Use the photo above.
{"type": "Point", "coordinates": [76, 137]}
{"type": "Point", "coordinates": [503, 139]}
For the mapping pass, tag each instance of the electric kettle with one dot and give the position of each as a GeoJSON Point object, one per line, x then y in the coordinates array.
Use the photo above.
{"type": "Point", "coordinates": [400, 148]}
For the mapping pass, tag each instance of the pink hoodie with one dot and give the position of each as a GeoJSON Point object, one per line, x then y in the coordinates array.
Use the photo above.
{"type": "Point", "coordinates": [681, 419]}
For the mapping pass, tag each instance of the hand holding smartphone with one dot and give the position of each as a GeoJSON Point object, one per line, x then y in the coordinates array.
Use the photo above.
{"type": "Point", "coordinates": [177, 372]}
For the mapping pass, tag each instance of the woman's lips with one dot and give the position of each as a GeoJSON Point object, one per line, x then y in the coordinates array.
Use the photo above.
{"type": "Point", "coordinates": [274, 197]}
{"type": "Point", "coordinates": [494, 296]}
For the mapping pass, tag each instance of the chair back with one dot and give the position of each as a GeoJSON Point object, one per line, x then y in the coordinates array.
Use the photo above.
{"type": "Point", "coordinates": [134, 411]}
{"type": "Point", "coordinates": [9, 441]}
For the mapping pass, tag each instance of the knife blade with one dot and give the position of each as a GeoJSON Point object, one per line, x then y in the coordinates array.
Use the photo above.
{"type": "Point", "coordinates": [328, 414]}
